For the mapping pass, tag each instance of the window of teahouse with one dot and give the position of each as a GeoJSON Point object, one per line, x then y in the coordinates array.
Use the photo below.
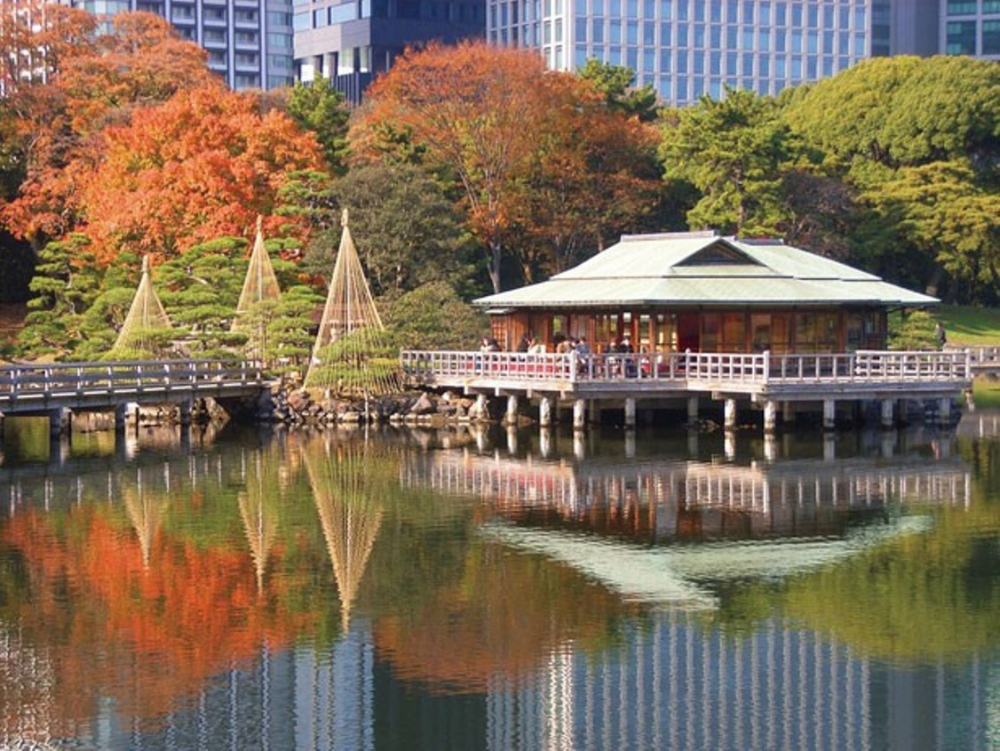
{"type": "Point", "coordinates": [760, 331]}
{"type": "Point", "coordinates": [665, 332]}
{"type": "Point", "coordinates": [855, 332]}
{"type": "Point", "coordinates": [734, 332]}
{"type": "Point", "coordinates": [710, 323]}
{"type": "Point", "coordinates": [781, 333]}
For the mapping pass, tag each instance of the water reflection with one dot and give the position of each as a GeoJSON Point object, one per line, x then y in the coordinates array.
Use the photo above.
{"type": "Point", "coordinates": [468, 589]}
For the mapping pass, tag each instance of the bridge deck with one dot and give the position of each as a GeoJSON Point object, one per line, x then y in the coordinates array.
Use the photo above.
{"type": "Point", "coordinates": [39, 389]}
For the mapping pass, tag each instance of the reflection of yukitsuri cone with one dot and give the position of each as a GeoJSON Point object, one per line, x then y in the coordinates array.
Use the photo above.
{"type": "Point", "coordinates": [145, 314]}
{"type": "Point", "coordinates": [260, 519]}
{"type": "Point", "coordinates": [146, 514]}
{"type": "Point", "coordinates": [345, 498]}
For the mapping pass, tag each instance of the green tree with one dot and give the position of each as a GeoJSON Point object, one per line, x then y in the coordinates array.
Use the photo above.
{"type": "Point", "coordinates": [319, 107]}
{"type": "Point", "coordinates": [615, 83]}
{"type": "Point", "coordinates": [434, 317]}
{"type": "Point", "coordinates": [64, 286]}
{"type": "Point", "coordinates": [290, 337]}
{"type": "Point", "coordinates": [735, 151]}
{"type": "Point", "coordinates": [201, 289]}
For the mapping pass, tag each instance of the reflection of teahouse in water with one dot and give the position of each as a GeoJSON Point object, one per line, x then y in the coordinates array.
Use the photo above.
{"type": "Point", "coordinates": [692, 500]}
{"type": "Point", "coordinates": [811, 513]}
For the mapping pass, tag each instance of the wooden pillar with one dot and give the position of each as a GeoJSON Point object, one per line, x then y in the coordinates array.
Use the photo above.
{"type": "Point", "coordinates": [692, 410]}
{"type": "Point", "coordinates": [944, 411]}
{"type": "Point", "coordinates": [770, 416]}
{"type": "Point", "coordinates": [629, 412]}
{"type": "Point", "coordinates": [730, 414]}
{"type": "Point", "coordinates": [121, 417]}
{"type": "Point", "coordinates": [510, 417]}
{"type": "Point", "coordinates": [787, 413]}
{"type": "Point", "coordinates": [594, 412]}
{"type": "Point", "coordinates": [184, 411]}
{"type": "Point", "coordinates": [887, 416]}
{"type": "Point", "coordinates": [579, 445]}
{"type": "Point", "coordinates": [481, 410]}
{"type": "Point", "coordinates": [770, 449]}
{"type": "Point", "coordinates": [60, 421]}
{"type": "Point", "coordinates": [829, 448]}
{"type": "Point", "coordinates": [629, 444]}
{"type": "Point", "coordinates": [579, 414]}
{"type": "Point", "coordinates": [829, 414]}
{"type": "Point", "coordinates": [729, 444]}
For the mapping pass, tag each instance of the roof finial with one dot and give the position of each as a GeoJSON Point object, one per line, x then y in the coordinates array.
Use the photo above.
{"type": "Point", "coordinates": [343, 218]}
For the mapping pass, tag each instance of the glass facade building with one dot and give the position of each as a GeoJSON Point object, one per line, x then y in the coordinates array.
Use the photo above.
{"type": "Point", "coordinates": [249, 42]}
{"type": "Point", "coordinates": [971, 27]}
{"type": "Point", "coordinates": [687, 48]}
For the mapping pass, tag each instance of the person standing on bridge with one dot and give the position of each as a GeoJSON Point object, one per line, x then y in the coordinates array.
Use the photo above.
{"type": "Point", "coordinates": [939, 336]}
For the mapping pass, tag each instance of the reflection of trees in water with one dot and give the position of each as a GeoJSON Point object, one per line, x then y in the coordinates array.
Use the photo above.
{"type": "Point", "coordinates": [350, 481]}
{"type": "Point", "coordinates": [145, 508]}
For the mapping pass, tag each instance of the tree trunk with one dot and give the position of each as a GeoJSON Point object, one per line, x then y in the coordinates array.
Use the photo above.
{"type": "Point", "coordinates": [493, 264]}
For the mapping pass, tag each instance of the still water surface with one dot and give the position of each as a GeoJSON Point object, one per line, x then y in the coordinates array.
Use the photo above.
{"type": "Point", "coordinates": [486, 590]}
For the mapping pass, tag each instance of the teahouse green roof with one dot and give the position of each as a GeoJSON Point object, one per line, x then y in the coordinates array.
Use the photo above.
{"type": "Point", "coordinates": [697, 269]}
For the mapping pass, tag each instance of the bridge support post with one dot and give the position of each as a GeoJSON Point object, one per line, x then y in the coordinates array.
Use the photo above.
{"type": "Point", "coordinates": [629, 444]}
{"type": "Point", "coordinates": [887, 412]}
{"type": "Point", "coordinates": [692, 410]}
{"type": "Point", "coordinates": [629, 412]}
{"type": "Point", "coordinates": [579, 414]}
{"type": "Point", "coordinates": [545, 411]}
{"type": "Point", "coordinates": [579, 445]}
{"type": "Point", "coordinates": [511, 440]}
{"type": "Point", "coordinates": [60, 421]}
{"type": "Point", "coordinates": [594, 412]}
{"type": "Point", "coordinates": [184, 412]}
{"type": "Point", "coordinates": [729, 412]}
{"type": "Point", "coordinates": [729, 444]}
{"type": "Point", "coordinates": [510, 416]}
{"type": "Point", "coordinates": [121, 417]}
{"type": "Point", "coordinates": [770, 416]}
{"type": "Point", "coordinates": [829, 448]}
{"type": "Point", "coordinates": [770, 448]}
{"type": "Point", "coordinates": [944, 411]}
{"type": "Point", "coordinates": [829, 414]}
{"type": "Point", "coordinates": [787, 413]}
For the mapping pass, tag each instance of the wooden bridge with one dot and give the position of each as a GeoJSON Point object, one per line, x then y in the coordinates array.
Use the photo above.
{"type": "Point", "coordinates": [59, 389]}
{"type": "Point", "coordinates": [764, 379]}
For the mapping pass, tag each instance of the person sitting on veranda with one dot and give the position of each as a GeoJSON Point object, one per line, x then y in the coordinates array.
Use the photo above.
{"type": "Point", "coordinates": [536, 347]}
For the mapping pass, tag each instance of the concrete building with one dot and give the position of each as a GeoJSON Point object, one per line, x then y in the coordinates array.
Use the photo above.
{"type": "Point", "coordinates": [970, 27]}
{"type": "Point", "coordinates": [249, 42]}
{"type": "Point", "coordinates": [353, 41]}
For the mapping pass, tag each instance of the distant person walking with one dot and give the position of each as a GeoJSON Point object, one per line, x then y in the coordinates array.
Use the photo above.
{"type": "Point", "coordinates": [939, 336]}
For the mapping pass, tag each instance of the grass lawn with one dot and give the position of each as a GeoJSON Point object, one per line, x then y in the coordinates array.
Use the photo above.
{"type": "Point", "coordinates": [973, 326]}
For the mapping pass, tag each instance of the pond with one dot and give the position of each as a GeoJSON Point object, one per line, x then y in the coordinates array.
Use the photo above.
{"type": "Point", "coordinates": [485, 589]}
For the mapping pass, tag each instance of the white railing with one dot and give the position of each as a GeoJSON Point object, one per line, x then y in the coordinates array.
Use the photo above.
{"type": "Point", "coordinates": [865, 366]}
{"type": "Point", "coordinates": [32, 381]}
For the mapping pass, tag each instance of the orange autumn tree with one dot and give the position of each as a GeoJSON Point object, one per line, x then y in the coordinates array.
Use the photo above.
{"type": "Point", "coordinates": [89, 81]}
{"type": "Point", "coordinates": [200, 166]}
{"type": "Point", "coordinates": [477, 110]}
{"type": "Point", "coordinates": [593, 176]}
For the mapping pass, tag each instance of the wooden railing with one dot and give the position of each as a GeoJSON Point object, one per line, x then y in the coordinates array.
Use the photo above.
{"type": "Point", "coordinates": [764, 368]}
{"type": "Point", "coordinates": [34, 383]}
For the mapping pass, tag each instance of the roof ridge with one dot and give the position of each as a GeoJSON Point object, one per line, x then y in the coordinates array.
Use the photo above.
{"type": "Point", "coordinates": [707, 234]}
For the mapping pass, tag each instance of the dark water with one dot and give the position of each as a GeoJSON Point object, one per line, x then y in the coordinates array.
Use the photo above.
{"type": "Point", "coordinates": [461, 590]}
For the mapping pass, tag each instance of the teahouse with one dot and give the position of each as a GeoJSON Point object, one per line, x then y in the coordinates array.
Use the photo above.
{"type": "Point", "coordinates": [704, 293]}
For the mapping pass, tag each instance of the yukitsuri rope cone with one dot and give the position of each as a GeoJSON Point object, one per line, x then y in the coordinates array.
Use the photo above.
{"type": "Point", "coordinates": [352, 356]}
{"type": "Point", "coordinates": [146, 331]}
{"type": "Point", "coordinates": [349, 482]}
{"type": "Point", "coordinates": [258, 300]}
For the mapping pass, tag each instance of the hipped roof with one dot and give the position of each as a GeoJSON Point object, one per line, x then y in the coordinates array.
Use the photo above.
{"type": "Point", "coordinates": [700, 269]}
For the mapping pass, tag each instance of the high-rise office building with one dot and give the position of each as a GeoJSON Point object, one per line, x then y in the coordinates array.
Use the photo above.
{"type": "Point", "coordinates": [352, 41]}
{"type": "Point", "coordinates": [687, 48]}
{"type": "Point", "coordinates": [971, 27]}
{"type": "Point", "coordinates": [249, 42]}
